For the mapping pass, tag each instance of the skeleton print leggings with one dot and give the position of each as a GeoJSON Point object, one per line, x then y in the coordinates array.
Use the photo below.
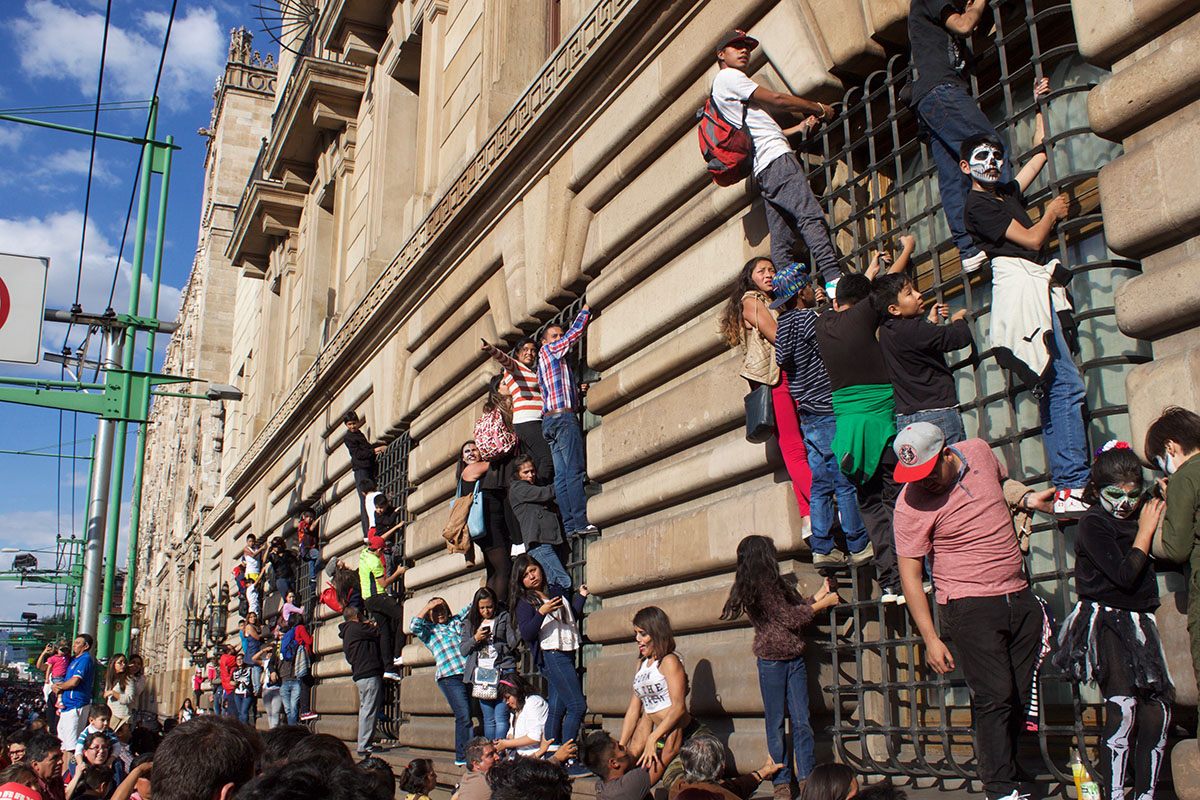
{"type": "Point", "coordinates": [1135, 724]}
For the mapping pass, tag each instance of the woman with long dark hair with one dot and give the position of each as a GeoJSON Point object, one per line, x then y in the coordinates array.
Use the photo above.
{"type": "Point", "coordinates": [499, 522]}
{"type": "Point", "coordinates": [1111, 637]}
{"type": "Point", "coordinates": [418, 779]}
{"type": "Point", "coordinates": [119, 689]}
{"type": "Point", "coordinates": [657, 720]}
{"type": "Point", "coordinates": [520, 383]}
{"type": "Point", "coordinates": [489, 644]}
{"type": "Point", "coordinates": [830, 782]}
{"type": "Point", "coordinates": [779, 615]}
{"type": "Point", "coordinates": [547, 617]}
{"type": "Point", "coordinates": [748, 321]}
{"type": "Point", "coordinates": [529, 715]}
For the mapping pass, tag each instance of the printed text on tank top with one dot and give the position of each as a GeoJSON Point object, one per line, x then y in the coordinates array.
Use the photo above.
{"type": "Point", "coordinates": [650, 685]}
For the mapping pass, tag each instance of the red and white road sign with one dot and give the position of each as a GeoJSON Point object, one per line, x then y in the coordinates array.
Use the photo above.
{"type": "Point", "coordinates": [22, 304]}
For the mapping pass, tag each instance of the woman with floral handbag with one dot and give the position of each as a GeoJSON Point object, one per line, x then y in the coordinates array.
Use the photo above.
{"type": "Point", "coordinates": [490, 647]}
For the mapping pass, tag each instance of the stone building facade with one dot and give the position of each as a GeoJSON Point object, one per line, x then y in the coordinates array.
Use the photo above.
{"type": "Point", "coordinates": [435, 172]}
{"type": "Point", "coordinates": [184, 449]}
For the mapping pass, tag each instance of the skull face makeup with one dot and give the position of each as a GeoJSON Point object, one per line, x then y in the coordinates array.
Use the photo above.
{"type": "Point", "coordinates": [1120, 503]}
{"type": "Point", "coordinates": [986, 162]}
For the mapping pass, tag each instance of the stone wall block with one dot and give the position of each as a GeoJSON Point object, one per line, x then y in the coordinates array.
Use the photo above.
{"type": "Point", "coordinates": [430, 494]}
{"type": "Point", "coordinates": [1177, 644]}
{"type": "Point", "coordinates": [439, 448]}
{"type": "Point", "coordinates": [1111, 29]}
{"type": "Point", "coordinates": [1141, 312]}
{"type": "Point", "coordinates": [698, 538]}
{"type": "Point", "coordinates": [441, 566]}
{"type": "Point", "coordinates": [336, 696]}
{"type": "Point", "coordinates": [1147, 194]}
{"type": "Point", "coordinates": [419, 694]}
{"type": "Point", "coordinates": [684, 414]}
{"type": "Point", "coordinates": [430, 733]}
{"type": "Point", "coordinates": [723, 461]}
{"type": "Point", "coordinates": [695, 343]}
{"type": "Point", "coordinates": [1144, 388]}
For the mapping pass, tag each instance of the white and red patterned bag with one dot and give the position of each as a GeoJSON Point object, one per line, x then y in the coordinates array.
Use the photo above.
{"type": "Point", "coordinates": [493, 438]}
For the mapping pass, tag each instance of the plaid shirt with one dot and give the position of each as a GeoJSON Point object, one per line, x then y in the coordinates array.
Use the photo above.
{"type": "Point", "coordinates": [559, 391]}
{"type": "Point", "coordinates": [443, 640]}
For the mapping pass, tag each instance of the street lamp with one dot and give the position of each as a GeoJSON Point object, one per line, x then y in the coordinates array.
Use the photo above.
{"type": "Point", "coordinates": [193, 634]}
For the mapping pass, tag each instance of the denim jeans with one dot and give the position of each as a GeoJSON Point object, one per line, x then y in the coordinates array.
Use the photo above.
{"type": "Point", "coordinates": [313, 559]}
{"type": "Point", "coordinates": [556, 573]}
{"type": "Point", "coordinates": [458, 695]}
{"type": "Point", "coordinates": [256, 676]}
{"type": "Point", "coordinates": [565, 438]}
{"type": "Point", "coordinates": [791, 208]}
{"type": "Point", "coordinates": [566, 700]}
{"type": "Point", "coordinates": [1061, 409]}
{"type": "Point", "coordinates": [289, 693]}
{"type": "Point", "coordinates": [242, 702]}
{"type": "Point", "coordinates": [495, 718]}
{"type": "Point", "coordinates": [948, 419]}
{"type": "Point", "coordinates": [282, 587]}
{"type": "Point", "coordinates": [828, 482]}
{"type": "Point", "coordinates": [950, 116]}
{"type": "Point", "coordinates": [370, 694]}
{"type": "Point", "coordinates": [784, 687]}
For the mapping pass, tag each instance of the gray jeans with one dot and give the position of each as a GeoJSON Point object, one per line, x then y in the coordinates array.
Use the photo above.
{"type": "Point", "coordinates": [370, 693]}
{"type": "Point", "coordinates": [792, 208]}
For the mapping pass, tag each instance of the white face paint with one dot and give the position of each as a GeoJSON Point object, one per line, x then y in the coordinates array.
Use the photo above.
{"type": "Point", "coordinates": [1120, 503]}
{"type": "Point", "coordinates": [1167, 464]}
{"type": "Point", "coordinates": [986, 161]}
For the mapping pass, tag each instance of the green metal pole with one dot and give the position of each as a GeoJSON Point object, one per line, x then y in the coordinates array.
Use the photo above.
{"type": "Point", "coordinates": [116, 137]}
{"type": "Point", "coordinates": [113, 527]}
{"type": "Point", "coordinates": [139, 459]}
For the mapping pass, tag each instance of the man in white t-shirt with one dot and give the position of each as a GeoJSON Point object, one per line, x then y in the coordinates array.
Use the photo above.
{"type": "Point", "coordinates": [789, 203]}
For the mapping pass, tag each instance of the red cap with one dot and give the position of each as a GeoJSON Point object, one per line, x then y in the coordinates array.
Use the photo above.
{"type": "Point", "coordinates": [375, 542]}
{"type": "Point", "coordinates": [18, 791]}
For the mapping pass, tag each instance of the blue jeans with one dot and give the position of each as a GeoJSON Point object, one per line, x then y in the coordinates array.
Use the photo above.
{"type": "Point", "coordinates": [556, 573]}
{"type": "Point", "coordinates": [565, 438]}
{"type": "Point", "coordinates": [828, 482]}
{"type": "Point", "coordinates": [566, 700]}
{"type": "Point", "coordinates": [313, 559]}
{"type": "Point", "coordinates": [784, 687]}
{"type": "Point", "coordinates": [289, 693]}
{"type": "Point", "coordinates": [282, 587]}
{"type": "Point", "coordinates": [495, 718]}
{"type": "Point", "coordinates": [256, 676]}
{"type": "Point", "coordinates": [1061, 409]}
{"type": "Point", "coordinates": [950, 116]}
{"type": "Point", "coordinates": [948, 419]}
{"type": "Point", "coordinates": [242, 701]}
{"type": "Point", "coordinates": [458, 695]}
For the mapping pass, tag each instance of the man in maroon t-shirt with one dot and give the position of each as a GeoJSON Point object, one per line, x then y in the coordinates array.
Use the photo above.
{"type": "Point", "coordinates": [952, 511]}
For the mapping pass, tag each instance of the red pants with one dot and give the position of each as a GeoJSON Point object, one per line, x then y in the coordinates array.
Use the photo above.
{"type": "Point", "coordinates": [791, 444]}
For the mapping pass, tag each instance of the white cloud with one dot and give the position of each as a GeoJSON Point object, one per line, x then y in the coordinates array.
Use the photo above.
{"type": "Point", "coordinates": [11, 136]}
{"type": "Point", "coordinates": [56, 236]}
{"type": "Point", "coordinates": [59, 42]}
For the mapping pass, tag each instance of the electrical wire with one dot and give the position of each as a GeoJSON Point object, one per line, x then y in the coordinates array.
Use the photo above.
{"type": "Point", "coordinates": [75, 108]}
{"type": "Point", "coordinates": [87, 194]}
{"type": "Point", "coordinates": [162, 58]}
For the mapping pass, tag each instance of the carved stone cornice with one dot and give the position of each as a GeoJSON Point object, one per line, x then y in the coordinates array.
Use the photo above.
{"type": "Point", "coordinates": [269, 211]}
{"type": "Point", "coordinates": [354, 28]}
{"type": "Point", "coordinates": [576, 59]}
{"type": "Point", "coordinates": [323, 97]}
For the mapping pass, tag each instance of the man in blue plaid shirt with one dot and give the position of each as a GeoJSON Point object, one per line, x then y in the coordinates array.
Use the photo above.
{"type": "Point", "coordinates": [442, 633]}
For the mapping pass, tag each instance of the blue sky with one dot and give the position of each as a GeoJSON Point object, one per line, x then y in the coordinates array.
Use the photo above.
{"type": "Point", "coordinates": [54, 48]}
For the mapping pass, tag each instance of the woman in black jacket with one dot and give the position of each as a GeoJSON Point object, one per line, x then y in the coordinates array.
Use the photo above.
{"type": "Point", "coordinates": [1110, 637]}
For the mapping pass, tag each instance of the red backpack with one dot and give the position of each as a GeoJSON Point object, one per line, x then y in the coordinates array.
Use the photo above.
{"type": "Point", "coordinates": [728, 150]}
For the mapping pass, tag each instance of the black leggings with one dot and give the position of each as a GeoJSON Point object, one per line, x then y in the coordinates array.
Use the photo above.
{"type": "Point", "coordinates": [502, 529]}
{"type": "Point", "coordinates": [1134, 723]}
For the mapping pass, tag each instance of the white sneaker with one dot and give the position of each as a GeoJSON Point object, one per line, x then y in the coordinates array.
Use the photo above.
{"type": "Point", "coordinates": [391, 676]}
{"type": "Point", "coordinates": [889, 595]}
{"type": "Point", "coordinates": [805, 527]}
{"type": "Point", "coordinates": [1015, 795]}
{"type": "Point", "coordinates": [974, 263]}
{"type": "Point", "coordinates": [398, 661]}
{"type": "Point", "coordinates": [1069, 503]}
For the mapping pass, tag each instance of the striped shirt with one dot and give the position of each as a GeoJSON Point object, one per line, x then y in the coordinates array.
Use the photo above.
{"type": "Point", "coordinates": [443, 641]}
{"type": "Point", "coordinates": [559, 391]}
{"type": "Point", "coordinates": [797, 355]}
{"type": "Point", "coordinates": [521, 384]}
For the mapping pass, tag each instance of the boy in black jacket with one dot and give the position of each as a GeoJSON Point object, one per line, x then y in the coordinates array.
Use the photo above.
{"type": "Point", "coordinates": [362, 462]}
{"type": "Point", "coordinates": [360, 643]}
{"type": "Point", "coordinates": [914, 351]}
{"type": "Point", "coordinates": [541, 529]}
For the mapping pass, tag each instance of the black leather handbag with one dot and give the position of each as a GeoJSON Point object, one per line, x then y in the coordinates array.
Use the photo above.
{"type": "Point", "coordinates": [760, 415]}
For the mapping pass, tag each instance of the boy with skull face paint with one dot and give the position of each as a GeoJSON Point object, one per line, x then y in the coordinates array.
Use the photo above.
{"type": "Point", "coordinates": [1029, 303]}
{"type": "Point", "coordinates": [1111, 637]}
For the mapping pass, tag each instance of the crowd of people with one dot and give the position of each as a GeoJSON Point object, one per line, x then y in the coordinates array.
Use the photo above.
{"type": "Point", "coordinates": [848, 371]}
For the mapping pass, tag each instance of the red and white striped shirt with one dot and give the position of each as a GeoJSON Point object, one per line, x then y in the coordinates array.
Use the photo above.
{"type": "Point", "coordinates": [521, 384]}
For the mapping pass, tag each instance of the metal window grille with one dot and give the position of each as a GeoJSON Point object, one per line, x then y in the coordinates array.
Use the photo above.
{"type": "Point", "coordinates": [876, 178]}
{"type": "Point", "coordinates": [392, 480]}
